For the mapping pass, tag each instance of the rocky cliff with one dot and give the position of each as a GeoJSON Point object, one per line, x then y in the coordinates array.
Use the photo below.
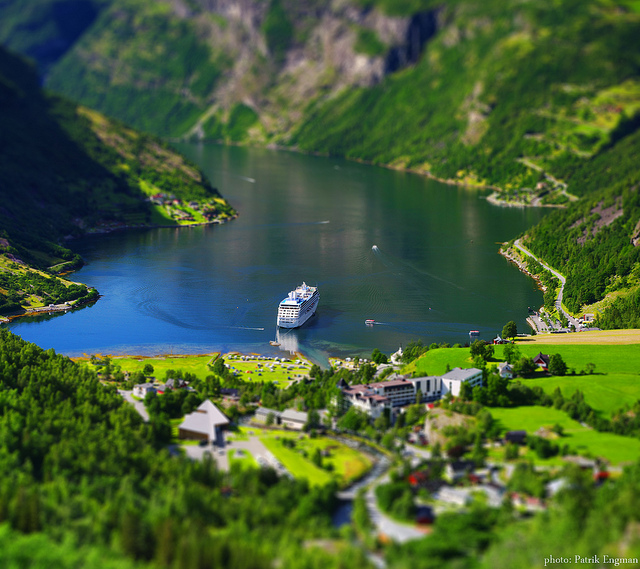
{"type": "Point", "coordinates": [234, 70]}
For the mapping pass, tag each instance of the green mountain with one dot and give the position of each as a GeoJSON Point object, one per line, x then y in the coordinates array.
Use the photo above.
{"type": "Point", "coordinates": [595, 242]}
{"type": "Point", "coordinates": [503, 93]}
{"type": "Point", "coordinates": [66, 171]}
{"type": "Point", "coordinates": [540, 100]}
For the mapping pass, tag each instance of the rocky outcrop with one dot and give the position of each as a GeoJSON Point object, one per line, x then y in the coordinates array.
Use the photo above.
{"type": "Point", "coordinates": [322, 60]}
{"type": "Point", "coordinates": [418, 31]}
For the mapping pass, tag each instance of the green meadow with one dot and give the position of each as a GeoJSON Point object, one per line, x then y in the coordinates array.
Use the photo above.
{"type": "Point", "coordinates": [347, 464]}
{"type": "Point", "coordinates": [249, 370]}
{"type": "Point", "coordinates": [435, 362]}
{"type": "Point", "coordinates": [195, 364]}
{"type": "Point", "coordinates": [581, 440]}
{"type": "Point", "coordinates": [615, 382]}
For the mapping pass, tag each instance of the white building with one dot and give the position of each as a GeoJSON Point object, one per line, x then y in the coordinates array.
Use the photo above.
{"type": "Point", "coordinates": [453, 380]}
{"type": "Point", "coordinates": [205, 423]}
{"type": "Point", "coordinates": [142, 389]}
{"type": "Point", "coordinates": [399, 391]}
{"type": "Point", "coordinates": [293, 419]}
{"type": "Point", "coordinates": [430, 387]}
{"type": "Point", "coordinates": [505, 370]}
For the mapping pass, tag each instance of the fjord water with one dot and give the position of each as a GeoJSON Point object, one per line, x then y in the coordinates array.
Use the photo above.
{"type": "Point", "coordinates": [418, 257]}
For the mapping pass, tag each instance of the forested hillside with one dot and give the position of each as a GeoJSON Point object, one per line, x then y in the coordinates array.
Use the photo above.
{"type": "Point", "coordinates": [509, 93]}
{"type": "Point", "coordinates": [85, 483]}
{"type": "Point", "coordinates": [66, 170]}
{"type": "Point", "coordinates": [90, 482]}
{"type": "Point", "coordinates": [540, 100]}
{"type": "Point", "coordinates": [595, 243]}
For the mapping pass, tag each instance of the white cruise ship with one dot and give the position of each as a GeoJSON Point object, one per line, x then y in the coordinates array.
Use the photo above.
{"type": "Point", "coordinates": [298, 307]}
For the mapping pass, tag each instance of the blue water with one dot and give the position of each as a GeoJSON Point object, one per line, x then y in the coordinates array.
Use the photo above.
{"type": "Point", "coordinates": [417, 256]}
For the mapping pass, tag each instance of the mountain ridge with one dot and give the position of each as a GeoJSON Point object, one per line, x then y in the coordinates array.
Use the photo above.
{"type": "Point", "coordinates": [66, 171]}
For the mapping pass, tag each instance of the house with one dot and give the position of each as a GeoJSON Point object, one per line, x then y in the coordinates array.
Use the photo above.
{"type": "Point", "coordinates": [453, 380]}
{"type": "Point", "coordinates": [293, 419]}
{"type": "Point", "coordinates": [262, 415]}
{"type": "Point", "coordinates": [419, 478]}
{"type": "Point", "coordinates": [517, 437]}
{"type": "Point", "coordinates": [542, 360]}
{"type": "Point", "coordinates": [459, 469]}
{"type": "Point", "coordinates": [505, 370]}
{"type": "Point", "coordinates": [142, 389]}
{"type": "Point", "coordinates": [175, 384]}
{"type": "Point", "coordinates": [499, 340]}
{"type": "Point", "coordinates": [205, 423]}
{"type": "Point", "coordinates": [456, 496]}
{"type": "Point", "coordinates": [230, 393]}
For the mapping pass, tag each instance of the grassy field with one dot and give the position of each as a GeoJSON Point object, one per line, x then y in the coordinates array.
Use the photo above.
{"type": "Point", "coordinates": [260, 369]}
{"type": "Point", "coordinates": [615, 383]}
{"type": "Point", "coordinates": [595, 337]}
{"type": "Point", "coordinates": [583, 440]}
{"type": "Point", "coordinates": [347, 464]}
{"type": "Point", "coordinates": [249, 370]}
{"type": "Point", "coordinates": [245, 459]}
{"type": "Point", "coordinates": [435, 362]}
{"type": "Point", "coordinates": [616, 380]}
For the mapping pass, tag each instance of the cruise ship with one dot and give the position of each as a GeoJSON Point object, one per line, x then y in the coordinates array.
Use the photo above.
{"type": "Point", "coordinates": [298, 307]}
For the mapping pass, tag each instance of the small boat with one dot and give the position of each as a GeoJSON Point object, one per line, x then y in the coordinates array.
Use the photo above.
{"type": "Point", "coordinates": [369, 322]}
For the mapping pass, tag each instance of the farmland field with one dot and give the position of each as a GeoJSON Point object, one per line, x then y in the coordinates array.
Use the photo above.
{"type": "Point", "coordinates": [257, 368]}
{"type": "Point", "coordinates": [346, 463]}
{"type": "Point", "coordinates": [583, 440]}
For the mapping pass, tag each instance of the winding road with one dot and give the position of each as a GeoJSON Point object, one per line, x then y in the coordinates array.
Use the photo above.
{"type": "Point", "coordinates": [562, 280]}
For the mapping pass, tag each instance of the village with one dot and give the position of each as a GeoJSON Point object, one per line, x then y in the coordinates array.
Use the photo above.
{"type": "Point", "coordinates": [410, 445]}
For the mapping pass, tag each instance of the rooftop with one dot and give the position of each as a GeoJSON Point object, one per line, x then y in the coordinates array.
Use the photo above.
{"type": "Point", "coordinates": [204, 419]}
{"type": "Point", "coordinates": [460, 374]}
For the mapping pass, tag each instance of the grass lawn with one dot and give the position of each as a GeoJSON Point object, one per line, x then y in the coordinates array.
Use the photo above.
{"type": "Point", "coordinates": [348, 464]}
{"type": "Point", "coordinates": [245, 460]}
{"type": "Point", "coordinates": [257, 369]}
{"type": "Point", "coordinates": [260, 369]}
{"type": "Point", "coordinates": [196, 364]}
{"type": "Point", "coordinates": [295, 463]}
{"type": "Point", "coordinates": [435, 362]}
{"type": "Point", "coordinates": [606, 392]}
{"type": "Point", "coordinates": [616, 380]}
{"type": "Point", "coordinates": [615, 448]}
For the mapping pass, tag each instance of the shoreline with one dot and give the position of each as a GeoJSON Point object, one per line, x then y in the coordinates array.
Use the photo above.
{"type": "Point", "coordinates": [492, 199]}
{"type": "Point", "coordinates": [106, 231]}
{"type": "Point", "coordinates": [521, 267]}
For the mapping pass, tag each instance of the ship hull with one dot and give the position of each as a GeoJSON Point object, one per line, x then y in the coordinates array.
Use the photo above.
{"type": "Point", "coordinates": [304, 314]}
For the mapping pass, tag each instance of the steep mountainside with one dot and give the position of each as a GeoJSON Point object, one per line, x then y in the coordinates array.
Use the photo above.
{"type": "Point", "coordinates": [539, 99]}
{"type": "Point", "coordinates": [66, 170]}
{"type": "Point", "coordinates": [595, 243]}
{"type": "Point", "coordinates": [230, 69]}
{"type": "Point", "coordinates": [511, 94]}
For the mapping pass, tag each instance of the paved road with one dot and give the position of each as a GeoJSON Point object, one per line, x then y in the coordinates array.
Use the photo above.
{"type": "Point", "coordinates": [562, 280]}
{"type": "Point", "coordinates": [139, 405]}
{"type": "Point", "coordinates": [386, 526]}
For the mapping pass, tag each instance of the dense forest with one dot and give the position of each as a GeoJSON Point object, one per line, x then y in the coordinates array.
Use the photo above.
{"type": "Point", "coordinates": [66, 170]}
{"type": "Point", "coordinates": [538, 99]}
{"type": "Point", "coordinates": [594, 242]}
{"type": "Point", "coordinates": [82, 474]}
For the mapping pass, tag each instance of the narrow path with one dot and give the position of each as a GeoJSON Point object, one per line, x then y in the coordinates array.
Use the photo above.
{"type": "Point", "coordinates": [139, 405]}
{"type": "Point", "coordinates": [562, 280]}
